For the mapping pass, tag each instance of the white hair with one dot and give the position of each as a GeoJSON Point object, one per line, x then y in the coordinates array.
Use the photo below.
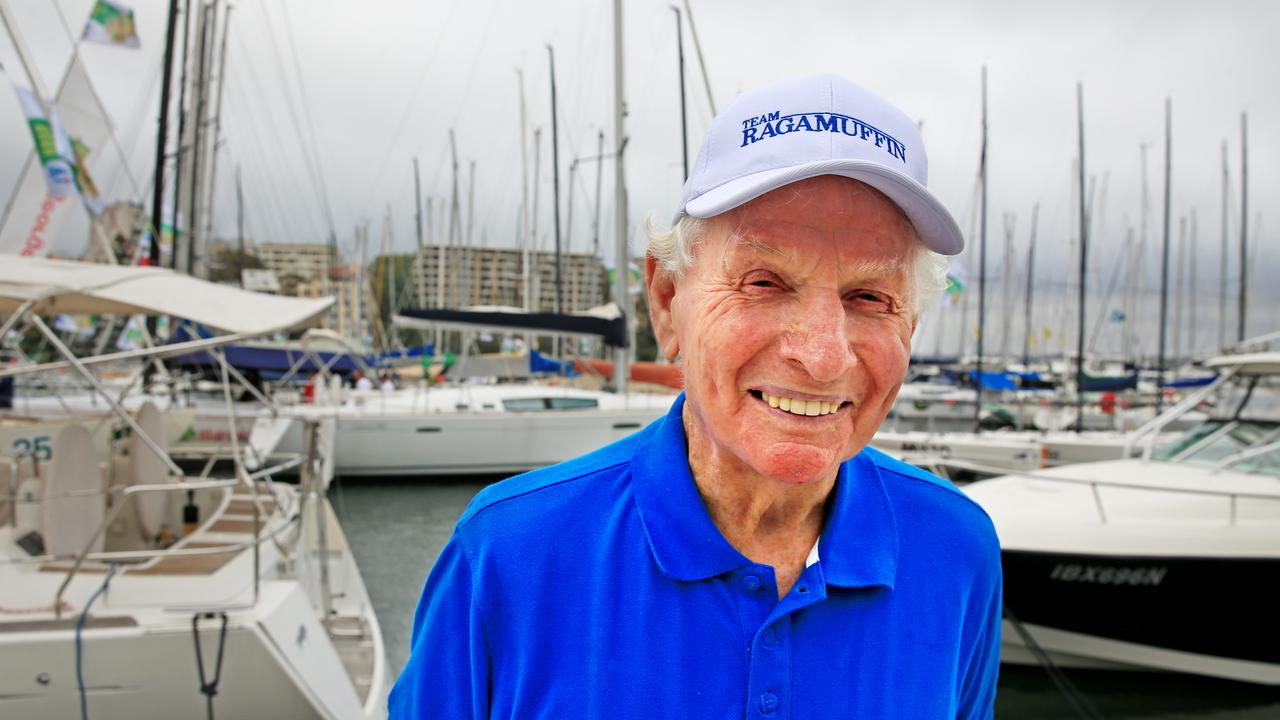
{"type": "Point", "coordinates": [673, 250]}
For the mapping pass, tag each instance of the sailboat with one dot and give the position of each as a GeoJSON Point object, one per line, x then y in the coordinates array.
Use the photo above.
{"type": "Point", "coordinates": [130, 589]}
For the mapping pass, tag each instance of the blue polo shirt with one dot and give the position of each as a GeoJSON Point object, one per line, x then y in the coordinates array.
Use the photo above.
{"type": "Point", "coordinates": [601, 588]}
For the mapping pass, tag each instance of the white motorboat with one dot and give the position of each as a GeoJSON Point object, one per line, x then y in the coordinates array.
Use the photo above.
{"type": "Point", "coordinates": [130, 590]}
{"type": "Point", "coordinates": [1160, 562]}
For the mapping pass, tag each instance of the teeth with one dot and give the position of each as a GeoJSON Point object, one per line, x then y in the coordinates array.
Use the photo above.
{"type": "Point", "coordinates": [810, 408]}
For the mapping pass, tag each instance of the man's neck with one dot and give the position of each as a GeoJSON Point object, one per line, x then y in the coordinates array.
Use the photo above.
{"type": "Point", "coordinates": [770, 522]}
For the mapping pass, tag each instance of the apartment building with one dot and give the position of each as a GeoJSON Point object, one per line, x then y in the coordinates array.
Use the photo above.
{"type": "Point", "coordinates": [445, 276]}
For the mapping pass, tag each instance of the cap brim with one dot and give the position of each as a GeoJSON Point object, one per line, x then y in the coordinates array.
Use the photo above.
{"type": "Point", "coordinates": [937, 229]}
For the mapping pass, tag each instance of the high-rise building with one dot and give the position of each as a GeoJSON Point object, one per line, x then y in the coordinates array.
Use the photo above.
{"type": "Point", "coordinates": [303, 261]}
{"type": "Point", "coordinates": [454, 277]}
{"type": "Point", "coordinates": [351, 313]}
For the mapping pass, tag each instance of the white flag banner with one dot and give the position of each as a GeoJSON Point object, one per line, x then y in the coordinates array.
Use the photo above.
{"type": "Point", "coordinates": [131, 337]}
{"type": "Point", "coordinates": [35, 216]}
{"type": "Point", "coordinates": [52, 147]}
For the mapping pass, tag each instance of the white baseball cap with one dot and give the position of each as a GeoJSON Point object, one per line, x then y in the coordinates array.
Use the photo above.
{"type": "Point", "coordinates": [810, 126]}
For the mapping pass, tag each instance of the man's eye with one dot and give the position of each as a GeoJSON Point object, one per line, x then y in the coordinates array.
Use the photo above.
{"type": "Point", "coordinates": [763, 283]}
{"type": "Point", "coordinates": [867, 297]}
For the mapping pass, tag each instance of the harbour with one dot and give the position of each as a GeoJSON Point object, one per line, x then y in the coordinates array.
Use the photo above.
{"type": "Point", "coordinates": [286, 289]}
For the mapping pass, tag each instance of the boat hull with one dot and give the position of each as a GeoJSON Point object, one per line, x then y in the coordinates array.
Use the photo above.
{"type": "Point", "coordinates": [463, 443]}
{"type": "Point", "coordinates": [1206, 615]}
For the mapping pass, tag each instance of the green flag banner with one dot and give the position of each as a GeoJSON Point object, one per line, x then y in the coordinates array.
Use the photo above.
{"type": "Point", "coordinates": [111, 24]}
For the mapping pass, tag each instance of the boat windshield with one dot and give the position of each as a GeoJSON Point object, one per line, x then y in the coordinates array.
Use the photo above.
{"type": "Point", "coordinates": [1219, 440]}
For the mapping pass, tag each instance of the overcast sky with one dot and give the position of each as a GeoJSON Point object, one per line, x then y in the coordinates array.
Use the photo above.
{"type": "Point", "coordinates": [382, 82]}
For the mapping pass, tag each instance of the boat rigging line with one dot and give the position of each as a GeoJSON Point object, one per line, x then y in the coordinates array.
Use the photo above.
{"type": "Point", "coordinates": [260, 99]}
{"type": "Point", "coordinates": [84, 615]}
{"type": "Point", "coordinates": [1079, 703]}
{"type": "Point", "coordinates": [312, 164]}
{"type": "Point", "coordinates": [702, 63]}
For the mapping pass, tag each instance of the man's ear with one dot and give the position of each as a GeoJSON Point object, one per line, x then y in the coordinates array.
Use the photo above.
{"type": "Point", "coordinates": [661, 285]}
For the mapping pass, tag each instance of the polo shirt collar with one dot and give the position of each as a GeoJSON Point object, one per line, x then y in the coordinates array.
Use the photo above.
{"type": "Point", "coordinates": [859, 542]}
{"type": "Point", "coordinates": [684, 540]}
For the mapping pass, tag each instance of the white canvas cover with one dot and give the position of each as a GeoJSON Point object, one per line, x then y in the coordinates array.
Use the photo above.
{"type": "Point", "coordinates": [65, 286]}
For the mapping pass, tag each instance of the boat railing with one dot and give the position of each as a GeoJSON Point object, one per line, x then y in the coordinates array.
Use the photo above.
{"type": "Point", "coordinates": [1096, 486]}
{"type": "Point", "coordinates": [127, 493]}
{"type": "Point", "coordinates": [1150, 431]}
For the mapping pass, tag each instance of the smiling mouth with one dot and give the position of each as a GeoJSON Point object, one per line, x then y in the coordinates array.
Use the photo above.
{"type": "Point", "coordinates": [797, 406]}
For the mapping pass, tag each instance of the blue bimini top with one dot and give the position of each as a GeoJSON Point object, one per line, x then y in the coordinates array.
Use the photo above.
{"type": "Point", "coordinates": [601, 588]}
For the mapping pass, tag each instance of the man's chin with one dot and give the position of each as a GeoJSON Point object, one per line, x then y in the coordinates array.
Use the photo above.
{"type": "Point", "coordinates": [794, 464]}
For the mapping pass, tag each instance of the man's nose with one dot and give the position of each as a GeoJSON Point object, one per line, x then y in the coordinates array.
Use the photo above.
{"type": "Point", "coordinates": [818, 338]}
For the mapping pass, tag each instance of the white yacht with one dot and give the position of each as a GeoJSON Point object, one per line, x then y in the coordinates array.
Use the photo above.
{"type": "Point", "coordinates": [461, 429]}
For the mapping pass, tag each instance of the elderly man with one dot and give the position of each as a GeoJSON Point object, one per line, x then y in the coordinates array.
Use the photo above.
{"type": "Point", "coordinates": [747, 556]}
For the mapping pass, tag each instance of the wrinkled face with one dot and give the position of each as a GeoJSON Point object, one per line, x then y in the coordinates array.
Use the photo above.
{"type": "Point", "coordinates": [794, 323]}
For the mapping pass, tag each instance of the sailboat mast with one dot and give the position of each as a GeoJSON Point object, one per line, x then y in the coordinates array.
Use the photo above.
{"type": "Point", "coordinates": [568, 211]}
{"type": "Point", "coordinates": [1142, 235]}
{"type": "Point", "coordinates": [178, 235]}
{"type": "Point", "coordinates": [240, 225]}
{"type": "Point", "coordinates": [1031, 274]}
{"type": "Point", "coordinates": [388, 250]}
{"type": "Point", "coordinates": [524, 196]}
{"type": "Point", "coordinates": [595, 231]}
{"type": "Point", "coordinates": [1222, 259]}
{"type": "Point", "coordinates": [982, 257]}
{"type": "Point", "coordinates": [1179, 289]}
{"type": "Point", "coordinates": [1164, 255]}
{"type": "Point", "coordinates": [535, 275]}
{"type": "Point", "coordinates": [622, 258]}
{"type": "Point", "coordinates": [420, 290]}
{"type": "Point", "coordinates": [1006, 285]}
{"type": "Point", "coordinates": [162, 135]}
{"type": "Point", "coordinates": [454, 208]}
{"type": "Point", "coordinates": [684, 123]}
{"type": "Point", "coordinates": [217, 117]}
{"type": "Point", "coordinates": [1084, 265]}
{"type": "Point", "coordinates": [201, 82]}
{"type": "Point", "coordinates": [1191, 286]}
{"type": "Point", "coordinates": [1244, 224]}
{"type": "Point", "coordinates": [555, 178]}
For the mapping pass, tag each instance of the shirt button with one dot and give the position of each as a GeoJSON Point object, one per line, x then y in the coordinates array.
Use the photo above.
{"type": "Point", "coordinates": [768, 703]}
{"type": "Point", "coordinates": [769, 637]}
{"type": "Point", "coordinates": [751, 582]}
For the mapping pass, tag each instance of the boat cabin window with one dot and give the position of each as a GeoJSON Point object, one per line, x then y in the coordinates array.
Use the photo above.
{"type": "Point", "coordinates": [538, 404]}
{"type": "Point", "coordinates": [572, 403]}
{"type": "Point", "coordinates": [524, 404]}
